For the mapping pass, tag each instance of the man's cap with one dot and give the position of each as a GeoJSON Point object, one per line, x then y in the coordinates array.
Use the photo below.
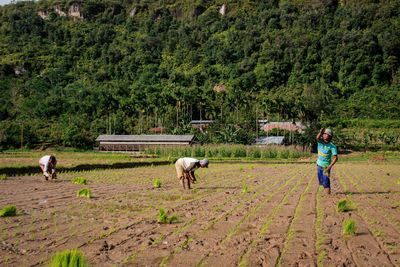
{"type": "Point", "coordinates": [328, 132]}
{"type": "Point", "coordinates": [204, 162]}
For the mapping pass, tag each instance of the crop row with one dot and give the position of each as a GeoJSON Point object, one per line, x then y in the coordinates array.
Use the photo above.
{"type": "Point", "coordinates": [194, 219]}
{"type": "Point", "coordinates": [211, 222]}
{"type": "Point", "coordinates": [244, 219]}
{"type": "Point", "coordinates": [265, 226]}
{"type": "Point", "coordinates": [291, 232]}
{"type": "Point", "coordinates": [386, 241]}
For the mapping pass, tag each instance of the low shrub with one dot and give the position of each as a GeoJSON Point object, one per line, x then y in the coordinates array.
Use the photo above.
{"type": "Point", "coordinates": [84, 192]}
{"type": "Point", "coordinates": [239, 152]}
{"type": "Point", "coordinates": [3, 177]}
{"type": "Point", "coordinates": [294, 154]}
{"type": "Point", "coordinates": [225, 152]}
{"type": "Point", "coordinates": [157, 183]}
{"type": "Point", "coordinates": [163, 218]}
{"type": "Point", "coordinates": [68, 258]}
{"type": "Point", "coordinates": [349, 227]}
{"type": "Point", "coordinates": [284, 154]}
{"type": "Point", "coordinates": [8, 211]}
{"type": "Point", "coordinates": [255, 153]}
{"type": "Point", "coordinates": [198, 151]}
{"type": "Point", "coordinates": [79, 180]}
{"type": "Point", "coordinates": [270, 154]}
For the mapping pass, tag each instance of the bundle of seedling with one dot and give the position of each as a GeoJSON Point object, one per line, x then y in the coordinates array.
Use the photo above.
{"type": "Point", "coordinates": [344, 205]}
{"type": "Point", "coordinates": [84, 192]}
{"type": "Point", "coordinates": [349, 227]}
{"type": "Point", "coordinates": [79, 180]}
{"type": "Point", "coordinates": [157, 183]}
{"type": "Point", "coordinates": [163, 218]}
{"type": "Point", "coordinates": [245, 189]}
{"type": "Point", "coordinates": [8, 211]}
{"type": "Point", "coordinates": [68, 258]}
{"type": "Point", "coordinates": [3, 177]}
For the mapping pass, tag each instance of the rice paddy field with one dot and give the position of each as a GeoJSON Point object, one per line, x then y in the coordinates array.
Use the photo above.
{"type": "Point", "coordinates": [236, 215]}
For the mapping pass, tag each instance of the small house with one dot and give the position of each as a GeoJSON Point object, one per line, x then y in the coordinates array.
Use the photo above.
{"type": "Point", "coordinates": [270, 140]}
{"type": "Point", "coordinates": [131, 143]}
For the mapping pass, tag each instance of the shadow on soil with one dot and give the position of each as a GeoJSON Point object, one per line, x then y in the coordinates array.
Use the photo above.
{"type": "Point", "coordinates": [15, 171]}
{"type": "Point", "coordinates": [216, 187]}
{"type": "Point", "coordinates": [366, 193]}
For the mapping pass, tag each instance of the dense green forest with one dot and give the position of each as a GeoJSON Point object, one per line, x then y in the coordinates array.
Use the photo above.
{"type": "Point", "coordinates": [126, 66]}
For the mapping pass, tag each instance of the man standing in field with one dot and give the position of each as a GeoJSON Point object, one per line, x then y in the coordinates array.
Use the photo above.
{"type": "Point", "coordinates": [326, 150]}
{"type": "Point", "coordinates": [48, 165]}
{"type": "Point", "coordinates": [185, 168]}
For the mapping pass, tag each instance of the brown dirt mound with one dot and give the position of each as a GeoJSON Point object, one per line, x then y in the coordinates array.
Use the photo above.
{"type": "Point", "coordinates": [380, 157]}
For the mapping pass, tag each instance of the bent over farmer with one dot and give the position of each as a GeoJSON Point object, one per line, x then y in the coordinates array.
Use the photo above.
{"type": "Point", "coordinates": [48, 165]}
{"type": "Point", "coordinates": [185, 168]}
{"type": "Point", "coordinates": [326, 150]}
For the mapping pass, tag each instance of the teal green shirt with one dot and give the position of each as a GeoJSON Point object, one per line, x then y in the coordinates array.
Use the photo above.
{"type": "Point", "coordinates": [325, 152]}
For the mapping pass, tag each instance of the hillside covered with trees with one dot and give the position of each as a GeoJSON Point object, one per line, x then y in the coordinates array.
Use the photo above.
{"type": "Point", "coordinates": [125, 66]}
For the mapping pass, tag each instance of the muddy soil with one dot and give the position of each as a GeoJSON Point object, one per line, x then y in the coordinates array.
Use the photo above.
{"type": "Point", "coordinates": [284, 218]}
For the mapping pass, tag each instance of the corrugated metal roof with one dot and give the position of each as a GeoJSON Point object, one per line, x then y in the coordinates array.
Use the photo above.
{"type": "Point", "coordinates": [145, 138]}
{"type": "Point", "coordinates": [269, 140]}
{"type": "Point", "coordinates": [202, 121]}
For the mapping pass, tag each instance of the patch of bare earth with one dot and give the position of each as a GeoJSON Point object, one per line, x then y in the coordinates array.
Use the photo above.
{"type": "Point", "coordinates": [283, 219]}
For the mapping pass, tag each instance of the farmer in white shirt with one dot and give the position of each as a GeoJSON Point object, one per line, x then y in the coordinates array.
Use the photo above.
{"type": "Point", "coordinates": [48, 165]}
{"type": "Point", "coordinates": [185, 168]}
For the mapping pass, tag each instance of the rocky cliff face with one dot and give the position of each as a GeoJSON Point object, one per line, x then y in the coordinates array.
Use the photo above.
{"type": "Point", "coordinates": [74, 11]}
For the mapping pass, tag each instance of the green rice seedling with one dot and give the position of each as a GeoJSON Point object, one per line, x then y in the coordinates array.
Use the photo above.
{"type": "Point", "coordinates": [3, 177]}
{"type": "Point", "coordinates": [16, 243]}
{"type": "Point", "coordinates": [245, 189]}
{"type": "Point", "coordinates": [7, 211]}
{"type": "Point", "coordinates": [398, 181]}
{"type": "Point", "coordinates": [343, 206]}
{"type": "Point", "coordinates": [84, 192]}
{"type": "Point", "coordinates": [33, 237]}
{"type": "Point", "coordinates": [79, 180]}
{"type": "Point", "coordinates": [349, 227]}
{"type": "Point", "coordinates": [68, 258]}
{"type": "Point", "coordinates": [157, 183]}
{"type": "Point", "coordinates": [163, 218]}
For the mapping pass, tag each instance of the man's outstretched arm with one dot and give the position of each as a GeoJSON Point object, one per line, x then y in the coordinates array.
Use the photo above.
{"type": "Point", "coordinates": [320, 134]}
